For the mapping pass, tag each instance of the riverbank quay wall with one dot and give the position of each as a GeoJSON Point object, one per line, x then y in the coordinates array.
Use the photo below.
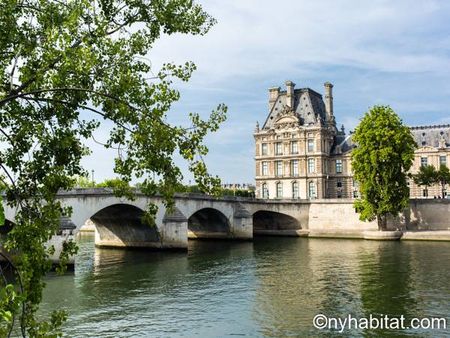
{"type": "Point", "coordinates": [338, 218]}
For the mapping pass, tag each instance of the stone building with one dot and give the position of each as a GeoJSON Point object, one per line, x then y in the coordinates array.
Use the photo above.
{"type": "Point", "coordinates": [300, 153]}
{"type": "Point", "coordinates": [433, 144]}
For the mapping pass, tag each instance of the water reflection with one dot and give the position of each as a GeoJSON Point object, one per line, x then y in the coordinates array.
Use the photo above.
{"type": "Point", "coordinates": [272, 287]}
{"type": "Point", "coordinates": [284, 301]}
{"type": "Point", "coordinates": [310, 277]}
{"type": "Point", "coordinates": [386, 284]}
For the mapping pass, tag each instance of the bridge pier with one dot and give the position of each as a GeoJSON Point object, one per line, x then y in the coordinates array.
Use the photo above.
{"type": "Point", "coordinates": [242, 225]}
{"type": "Point", "coordinates": [174, 233]}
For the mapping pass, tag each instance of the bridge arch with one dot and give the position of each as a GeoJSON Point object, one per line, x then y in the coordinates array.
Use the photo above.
{"type": "Point", "coordinates": [208, 223]}
{"type": "Point", "coordinates": [274, 223]}
{"type": "Point", "coordinates": [122, 225]}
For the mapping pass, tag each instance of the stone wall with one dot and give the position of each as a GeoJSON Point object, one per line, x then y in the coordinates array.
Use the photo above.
{"type": "Point", "coordinates": [337, 218]}
{"type": "Point", "coordinates": [426, 214]}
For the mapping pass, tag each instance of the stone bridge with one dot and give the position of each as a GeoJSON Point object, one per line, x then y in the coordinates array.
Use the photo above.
{"type": "Point", "coordinates": [118, 220]}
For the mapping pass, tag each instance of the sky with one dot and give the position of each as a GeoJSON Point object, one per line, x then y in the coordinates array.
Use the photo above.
{"type": "Point", "coordinates": [393, 53]}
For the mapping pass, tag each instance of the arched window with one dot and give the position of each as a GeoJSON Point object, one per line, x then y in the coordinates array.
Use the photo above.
{"type": "Point", "coordinates": [279, 186]}
{"type": "Point", "coordinates": [294, 190]}
{"type": "Point", "coordinates": [265, 191]}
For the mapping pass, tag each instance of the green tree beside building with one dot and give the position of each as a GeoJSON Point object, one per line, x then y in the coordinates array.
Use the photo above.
{"type": "Point", "coordinates": [380, 162]}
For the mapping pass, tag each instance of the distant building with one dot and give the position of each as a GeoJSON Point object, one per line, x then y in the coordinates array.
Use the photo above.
{"type": "Point", "coordinates": [433, 149]}
{"type": "Point", "coordinates": [238, 186]}
{"type": "Point", "coordinates": [300, 153]}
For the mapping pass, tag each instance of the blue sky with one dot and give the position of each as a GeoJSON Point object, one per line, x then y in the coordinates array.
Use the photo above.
{"type": "Point", "coordinates": [374, 52]}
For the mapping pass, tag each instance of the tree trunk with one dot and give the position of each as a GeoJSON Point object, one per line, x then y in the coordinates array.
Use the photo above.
{"type": "Point", "coordinates": [382, 222]}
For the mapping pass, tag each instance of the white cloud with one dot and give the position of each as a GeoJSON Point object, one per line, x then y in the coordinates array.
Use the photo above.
{"type": "Point", "coordinates": [375, 52]}
{"type": "Point", "coordinates": [265, 37]}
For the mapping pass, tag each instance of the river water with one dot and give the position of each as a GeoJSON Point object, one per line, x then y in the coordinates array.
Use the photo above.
{"type": "Point", "coordinates": [272, 287]}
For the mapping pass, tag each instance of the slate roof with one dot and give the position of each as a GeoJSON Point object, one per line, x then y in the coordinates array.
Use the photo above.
{"type": "Point", "coordinates": [308, 104]}
{"type": "Point", "coordinates": [423, 135]}
{"type": "Point", "coordinates": [344, 142]}
{"type": "Point", "coordinates": [431, 135]}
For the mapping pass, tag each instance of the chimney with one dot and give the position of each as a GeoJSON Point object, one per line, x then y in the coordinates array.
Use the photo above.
{"type": "Point", "coordinates": [273, 95]}
{"type": "Point", "coordinates": [328, 99]}
{"type": "Point", "coordinates": [290, 94]}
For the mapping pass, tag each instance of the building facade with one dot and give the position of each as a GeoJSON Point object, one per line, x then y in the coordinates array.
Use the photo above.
{"type": "Point", "coordinates": [300, 153]}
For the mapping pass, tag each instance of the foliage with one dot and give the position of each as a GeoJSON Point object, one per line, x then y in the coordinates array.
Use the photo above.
{"type": "Point", "coordinates": [9, 305]}
{"type": "Point", "coordinates": [190, 189]}
{"type": "Point", "coordinates": [9, 300]}
{"type": "Point", "coordinates": [380, 162]}
{"type": "Point", "coordinates": [2, 212]}
{"type": "Point", "coordinates": [428, 176]}
{"type": "Point", "coordinates": [238, 192]}
{"type": "Point", "coordinates": [119, 186]}
{"type": "Point", "coordinates": [219, 192]}
{"type": "Point", "coordinates": [443, 178]}
{"type": "Point", "coordinates": [66, 66]}
{"type": "Point", "coordinates": [84, 182]}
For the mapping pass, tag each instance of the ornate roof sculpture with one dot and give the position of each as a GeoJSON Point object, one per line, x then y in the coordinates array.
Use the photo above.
{"type": "Point", "coordinates": [308, 107]}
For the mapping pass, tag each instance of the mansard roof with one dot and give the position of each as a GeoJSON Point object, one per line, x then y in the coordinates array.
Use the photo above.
{"type": "Point", "coordinates": [432, 136]}
{"type": "Point", "coordinates": [437, 136]}
{"type": "Point", "coordinates": [342, 144]}
{"type": "Point", "coordinates": [308, 107]}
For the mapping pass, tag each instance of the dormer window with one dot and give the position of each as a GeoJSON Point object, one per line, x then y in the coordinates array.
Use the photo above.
{"type": "Point", "coordinates": [424, 141]}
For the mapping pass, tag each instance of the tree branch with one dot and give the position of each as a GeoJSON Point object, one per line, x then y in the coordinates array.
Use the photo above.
{"type": "Point", "coordinates": [80, 106]}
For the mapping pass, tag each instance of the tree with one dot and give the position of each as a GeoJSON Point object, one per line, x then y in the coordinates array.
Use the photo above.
{"type": "Point", "coordinates": [65, 67]}
{"type": "Point", "coordinates": [83, 182]}
{"type": "Point", "coordinates": [380, 162]}
{"type": "Point", "coordinates": [426, 177]}
{"type": "Point", "coordinates": [119, 186]}
{"type": "Point", "coordinates": [443, 178]}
